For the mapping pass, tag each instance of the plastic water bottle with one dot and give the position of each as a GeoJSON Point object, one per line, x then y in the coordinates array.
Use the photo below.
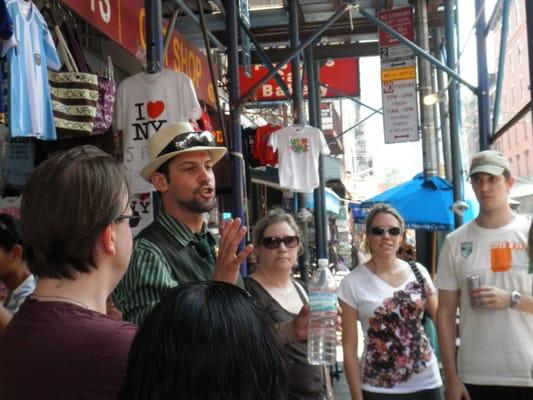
{"type": "Point", "coordinates": [322, 338]}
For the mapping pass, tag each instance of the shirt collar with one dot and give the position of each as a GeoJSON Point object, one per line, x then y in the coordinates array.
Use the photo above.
{"type": "Point", "coordinates": [182, 233]}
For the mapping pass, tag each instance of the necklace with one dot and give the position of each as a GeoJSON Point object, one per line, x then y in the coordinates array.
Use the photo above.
{"type": "Point", "coordinates": [62, 299]}
{"type": "Point", "coordinates": [284, 292]}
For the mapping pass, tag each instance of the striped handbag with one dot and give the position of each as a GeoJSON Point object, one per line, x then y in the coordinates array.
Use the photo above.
{"type": "Point", "coordinates": [74, 95]}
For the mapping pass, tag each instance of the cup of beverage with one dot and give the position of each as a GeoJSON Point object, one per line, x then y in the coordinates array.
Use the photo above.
{"type": "Point", "coordinates": [474, 282]}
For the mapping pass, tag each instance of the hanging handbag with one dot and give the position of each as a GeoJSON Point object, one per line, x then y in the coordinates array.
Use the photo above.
{"type": "Point", "coordinates": [429, 325]}
{"type": "Point", "coordinates": [74, 95]}
{"type": "Point", "coordinates": [106, 100]}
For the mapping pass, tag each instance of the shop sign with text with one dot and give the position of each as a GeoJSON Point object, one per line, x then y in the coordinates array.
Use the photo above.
{"type": "Point", "coordinates": [123, 21]}
{"type": "Point", "coordinates": [341, 75]}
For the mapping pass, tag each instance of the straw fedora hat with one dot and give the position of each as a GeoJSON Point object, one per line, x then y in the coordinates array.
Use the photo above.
{"type": "Point", "coordinates": [174, 139]}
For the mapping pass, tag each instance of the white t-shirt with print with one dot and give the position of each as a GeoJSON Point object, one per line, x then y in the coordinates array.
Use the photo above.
{"type": "Point", "coordinates": [496, 345]}
{"type": "Point", "coordinates": [144, 104]}
{"type": "Point", "coordinates": [397, 357]}
{"type": "Point", "coordinates": [298, 150]}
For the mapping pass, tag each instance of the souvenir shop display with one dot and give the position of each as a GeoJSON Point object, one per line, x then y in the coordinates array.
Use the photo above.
{"type": "Point", "coordinates": [299, 148]}
{"type": "Point", "coordinates": [106, 100]}
{"type": "Point", "coordinates": [30, 104]}
{"type": "Point", "coordinates": [74, 95]}
{"type": "Point", "coordinates": [145, 102]}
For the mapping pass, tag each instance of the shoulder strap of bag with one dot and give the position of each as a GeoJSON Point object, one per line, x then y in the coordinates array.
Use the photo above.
{"type": "Point", "coordinates": [63, 48]}
{"type": "Point", "coordinates": [419, 278]}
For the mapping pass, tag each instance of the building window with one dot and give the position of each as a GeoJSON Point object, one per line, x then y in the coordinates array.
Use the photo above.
{"type": "Point", "coordinates": [522, 88]}
{"type": "Point", "coordinates": [510, 59]}
{"type": "Point", "coordinates": [519, 48]}
{"type": "Point", "coordinates": [518, 165]}
{"type": "Point", "coordinates": [513, 96]}
{"type": "Point", "coordinates": [517, 12]}
{"type": "Point", "coordinates": [528, 164]}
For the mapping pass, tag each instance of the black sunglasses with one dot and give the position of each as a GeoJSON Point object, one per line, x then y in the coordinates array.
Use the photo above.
{"type": "Point", "coordinates": [377, 231]}
{"type": "Point", "coordinates": [133, 219]}
{"type": "Point", "coordinates": [187, 140]}
{"type": "Point", "coordinates": [273, 242]}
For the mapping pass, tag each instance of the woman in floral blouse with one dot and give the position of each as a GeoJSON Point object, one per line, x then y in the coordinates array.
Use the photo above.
{"type": "Point", "coordinates": [385, 295]}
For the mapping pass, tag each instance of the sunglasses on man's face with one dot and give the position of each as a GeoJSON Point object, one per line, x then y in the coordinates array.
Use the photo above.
{"type": "Point", "coordinates": [188, 140]}
{"type": "Point", "coordinates": [377, 231]}
{"type": "Point", "coordinates": [273, 242]}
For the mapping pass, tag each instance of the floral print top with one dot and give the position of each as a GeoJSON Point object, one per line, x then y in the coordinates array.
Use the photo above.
{"type": "Point", "coordinates": [397, 357]}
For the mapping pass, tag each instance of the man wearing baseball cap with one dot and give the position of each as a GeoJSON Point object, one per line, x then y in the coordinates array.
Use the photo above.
{"type": "Point", "coordinates": [177, 247]}
{"type": "Point", "coordinates": [495, 357]}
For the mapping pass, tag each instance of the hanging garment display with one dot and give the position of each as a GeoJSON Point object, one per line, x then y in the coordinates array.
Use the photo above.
{"type": "Point", "coordinates": [145, 103]}
{"type": "Point", "coordinates": [262, 150]}
{"type": "Point", "coordinates": [8, 41]}
{"type": "Point", "coordinates": [298, 150]}
{"type": "Point", "coordinates": [30, 105]}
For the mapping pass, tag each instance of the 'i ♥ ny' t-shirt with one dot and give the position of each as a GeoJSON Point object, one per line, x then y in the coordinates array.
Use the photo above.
{"type": "Point", "coordinates": [144, 104]}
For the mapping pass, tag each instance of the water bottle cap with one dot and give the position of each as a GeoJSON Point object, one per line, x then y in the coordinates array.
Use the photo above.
{"type": "Point", "coordinates": [323, 262]}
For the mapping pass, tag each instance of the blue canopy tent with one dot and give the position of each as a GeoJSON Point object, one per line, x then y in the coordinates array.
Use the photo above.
{"type": "Point", "coordinates": [425, 204]}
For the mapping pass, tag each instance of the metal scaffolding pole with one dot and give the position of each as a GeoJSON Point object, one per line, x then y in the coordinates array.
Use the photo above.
{"type": "Point", "coordinates": [237, 159]}
{"type": "Point", "coordinates": [154, 38]}
{"type": "Point", "coordinates": [296, 51]}
{"type": "Point", "coordinates": [453, 109]}
{"type": "Point", "coordinates": [297, 96]}
{"type": "Point", "coordinates": [264, 58]}
{"type": "Point", "coordinates": [425, 87]}
{"type": "Point", "coordinates": [482, 78]}
{"type": "Point", "coordinates": [418, 51]}
{"type": "Point", "coordinates": [501, 65]}
{"type": "Point", "coordinates": [315, 120]}
{"type": "Point", "coordinates": [196, 20]}
{"type": "Point", "coordinates": [443, 114]}
{"type": "Point", "coordinates": [529, 21]}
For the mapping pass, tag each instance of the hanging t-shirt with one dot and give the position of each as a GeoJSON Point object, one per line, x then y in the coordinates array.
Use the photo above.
{"type": "Point", "coordinates": [262, 150]}
{"type": "Point", "coordinates": [144, 104]}
{"type": "Point", "coordinates": [30, 104]}
{"type": "Point", "coordinates": [8, 41]}
{"type": "Point", "coordinates": [298, 149]}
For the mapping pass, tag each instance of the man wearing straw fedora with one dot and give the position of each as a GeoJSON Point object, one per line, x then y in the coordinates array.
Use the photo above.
{"type": "Point", "coordinates": [176, 247]}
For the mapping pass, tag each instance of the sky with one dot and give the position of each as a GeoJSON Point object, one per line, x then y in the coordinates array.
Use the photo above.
{"type": "Point", "coordinates": [404, 160]}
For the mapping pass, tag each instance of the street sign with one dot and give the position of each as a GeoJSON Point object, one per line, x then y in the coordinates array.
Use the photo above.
{"type": "Point", "coordinates": [398, 78]}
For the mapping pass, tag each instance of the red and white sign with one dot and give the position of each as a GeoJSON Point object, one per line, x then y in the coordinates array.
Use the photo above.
{"type": "Point", "coordinates": [123, 22]}
{"type": "Point", "coordinates": [340, 74]}
{"type": "Point", "coordinates": [401, 20]}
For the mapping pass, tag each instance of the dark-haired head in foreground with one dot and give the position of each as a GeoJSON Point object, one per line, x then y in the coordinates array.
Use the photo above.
{"type": "Point", "coordinates": [208, 341]}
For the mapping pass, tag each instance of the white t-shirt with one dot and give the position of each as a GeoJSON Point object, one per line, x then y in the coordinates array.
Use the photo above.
{"type": "Point", "coordinates": [298, 149]}
{"type": "Point", "coordinates": [397, 357]}
{"type": "Point", "coordinates": [144, 104]}
{"type": "Point", "coordinates": [496, 345]}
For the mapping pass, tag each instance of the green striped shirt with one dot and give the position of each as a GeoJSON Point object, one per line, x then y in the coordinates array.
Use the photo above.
{"type": "Point", "coordinates": [165, 254]}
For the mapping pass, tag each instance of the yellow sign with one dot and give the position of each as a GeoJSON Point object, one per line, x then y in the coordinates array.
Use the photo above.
{"type": "Point", "coordinates": [398, 74]}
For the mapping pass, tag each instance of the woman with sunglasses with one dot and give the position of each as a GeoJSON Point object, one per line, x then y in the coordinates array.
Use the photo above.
{"type": "Point", "coordinates": [385, 295]}
{"type": "Point", "coordinates": [276, 240]}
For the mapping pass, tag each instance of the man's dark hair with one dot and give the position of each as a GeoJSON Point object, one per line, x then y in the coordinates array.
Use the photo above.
{"type": "Point", "coordinates": [68, 200]}
{"type": "Point", "coordinates": [164, 169]}
{"type": "Point", "coordinates": [205, 340]}
{"type": "Point", "coordinates": [10, 232]}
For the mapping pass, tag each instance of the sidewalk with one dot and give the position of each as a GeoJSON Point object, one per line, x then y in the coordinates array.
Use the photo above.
{"type": "Point", "coordinates": [340, 387]}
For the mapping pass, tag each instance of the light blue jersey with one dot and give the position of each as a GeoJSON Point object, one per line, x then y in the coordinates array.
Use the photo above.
{"type": "Point", "coordinates": [30, 105]}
